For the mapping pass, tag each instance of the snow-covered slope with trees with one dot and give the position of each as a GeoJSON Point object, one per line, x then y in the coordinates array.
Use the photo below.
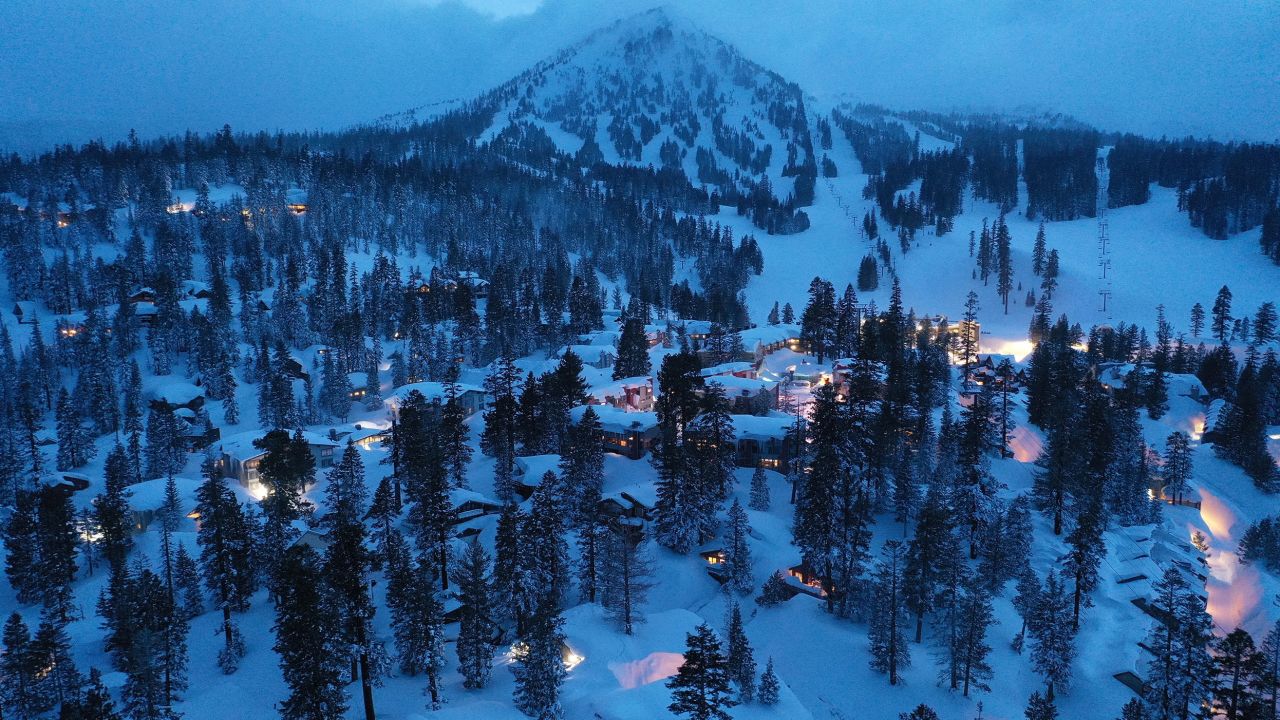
{"type": "Point", "coordinates": [525, 410]}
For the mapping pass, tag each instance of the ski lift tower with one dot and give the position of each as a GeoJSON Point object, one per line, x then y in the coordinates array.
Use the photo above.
{"type": "Point", "coordinates": [1105, 272]}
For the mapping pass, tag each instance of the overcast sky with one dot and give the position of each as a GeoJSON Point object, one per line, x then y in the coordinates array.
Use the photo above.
{"type": "Point", "coordinates": [75, 69]}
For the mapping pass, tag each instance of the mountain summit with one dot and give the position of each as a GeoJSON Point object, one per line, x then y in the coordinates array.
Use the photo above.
{"type": "Point", "coordinates": [654, 90]}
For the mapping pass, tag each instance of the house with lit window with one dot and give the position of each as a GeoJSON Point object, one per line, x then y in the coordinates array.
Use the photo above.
{"type": "Point", "coordinates": [759, 342]}
{"type": "Point", "coordinates": [630, 434]}
{"type": "Point", "coordinates": [470, 397]}
{"type": "Point", "coordinates": [239, 458]}
{"type": "Point", "coordinates": [634, 394]}
{"type": "Point", "coordinates": [767, 441]}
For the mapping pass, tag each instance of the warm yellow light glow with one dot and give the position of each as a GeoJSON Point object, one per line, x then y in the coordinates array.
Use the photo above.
{"type": "Point", "coordinates": [572, 660]}
{"type": "Point", "coordinates": [1019, 349]}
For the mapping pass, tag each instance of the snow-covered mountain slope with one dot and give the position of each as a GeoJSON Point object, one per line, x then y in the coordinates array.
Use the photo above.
{"type": "Point", "coordinates": [654, 90]}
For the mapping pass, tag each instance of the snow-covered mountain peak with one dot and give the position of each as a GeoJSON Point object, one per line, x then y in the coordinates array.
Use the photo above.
{"type": "Point", "coordinates": [654, 89]}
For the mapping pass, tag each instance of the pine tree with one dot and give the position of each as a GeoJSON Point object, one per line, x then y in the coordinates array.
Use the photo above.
{"type": "Point", "coordinates": [737, 552]}
{"type": "Point", "coordinates": [539, 668]}
{"type": "Point", "coordinates": [225, 537]}
{"type": "Point", "coordinates": [1086, 554]}
{"type": "Point", "coordinates": [767, 693]}
{"type": "Point", "coordinates": [975, 617]}
{"type": "Point", "coordinates": [582, 467]}
{"type": "Point", "coordinates": [626, 575]}
{"type": "Point", "coordinates": [1004, 270]}
{"type": "Point", "coordinates": [476, 629]}
{"type": "Point", "coordinates": [700, 689]}
{"type": "Point", "coordinates": [111, 508]}
{"type": "Point", "coordinates": [1177, 466]}
{"type": "Point", "coordinates": [186, 576]}
{"type": "Point", "coordinates": [56, 548]}
{"type": "Point", "coordinates": [58, 680]}
{"type": "Point", "coordinates": [1038, 251]}
{"type": "Point", "coordinates": [1041, 707]}
{"type": "Point", "coordinates": [1175, 678]}
{"type": "Point", "coordinates": [633, 350]}
{"type": "Point", "coordinates": [96, 704]}
{"type": "Point", "coordinates": [921, 712]}
{"type": "Point", "coordinates": [759, 490]}
{"type": "Point", "coordinates": [310, 657]}
{"type": "Point", "coordinates": [21, 561]}
{"type": "Point", "coordinates": [18, 669]}
{"type": "Point", "coordinates": [1237, 676]}
{"type": "Point", "coordinates": [1222, 319]}
{"type": "Point", "coordinates": [1053, 640]}
{"type": "Point", "coordinates": [454, 433]}
{"type": "Point", "coordinates": [154, 659]}
{"type": "Point", "coordinates": [75, 446]}
{"type": "Point", "coordinates": [930, 555]}
{"type": "Point", "coordinates": [739, 661]}
{"type": "Point", "coordinates": [887, 629]}
{"type": "Point", "coordinates": [286, 469]}
{"type": "Point", "coordinates": [544, 555]}
{"type": "Point", "coordinates": [417, 619]}
{"type": "Point", "coordinates": [1197, 319]}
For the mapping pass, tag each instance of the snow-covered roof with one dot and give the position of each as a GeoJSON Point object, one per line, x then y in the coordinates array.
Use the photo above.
{"type": "Point", "coordinates": [430, 390]}
{"type": "Point", "coordinates": [458, 496]}
{"type": "Point", "coordinates": [725, 369]}
{"type": "Point", "coordinates": [149, 495]}
{"type": "Point", "coordinates": [614, 420]}
{"type": "Point", "coordinates": [755, 427]}
{"type": "Point", "coordinates": [240, 446]}
{"type": "Point", "coordinates": [175, 392]}
{"type": "Point", "coordinates": [603, 338]}
{"type": "Point", "coordinates": [735, 386]}
{"type": "Point", "coordinates": [533, 467]}
{"type": "Point", "coordinates": [768, 335]}
{"type": "Point", "coordinates": [613, 388]}
{"type": "Point", "coordinates": [296, 196]}
{"type": "Point", "coordinates": [590, 353]}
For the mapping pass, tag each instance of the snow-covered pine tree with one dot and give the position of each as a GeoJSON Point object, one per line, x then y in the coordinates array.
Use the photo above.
{"type": "Point", "coordinates": [759, 490]}
{"type": "Point", "coordinates": [476, 628]}
{"type": "Point", "coordinates": [700, 689]}
{"type": "Point", "coordinates": [286, 469]}
{"type": "Point", "coordinates": [311, 657]}
{"type": "Point", "coordinates": [111, 508]}
{"type": "Point", "coordinates": [1086, 554]}
{"type": "Point", "coordinates": [1053, 639]}
{"type": "Point", "coordinates": [740, 662]}
{"type": "Point", "coordinates": [633, 350]}
{"type": "Point", "coordinates": [887, 629]}
{"type": "Point", "coordinates": [930, 554]}
{"type": "Point", "coordinates": [1176, 677]}
{"type": "Point", "coordinates": [768, 691]}
{"type": "Point", "coordinates": [455, 451]}
{"type": "Point", "coordinates": [225, 537]}
{"type": "Point", "coordinates": [417, 618]}
{"type": "Point", "coordinates": [75, 446]}
{"type": "Point", "coordinates": [539, 668]}
{"type": "Point", "coordinates": [1041, 707]}
{"type": "Point", "coordinates": [582, 468]}
{"type": "Point", "coordinates": [186, 576]}
{"type": "Point", "coordinates": [58, 680]}
{"type": "Point", "coordinates": [1177, 466]}
{"type": "Point", "coordinates": [737, 551]}
{"type": "Point", "coordinates": [1237, 676]}
{"type": "Point", "coordinates": [975, 617]}
{"type": "Point", "coordinates": [626, 574]}
{"type": "Point", "coordinates": [544, 553]}
{"type": "Point", "coordinates": [19, 667]}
